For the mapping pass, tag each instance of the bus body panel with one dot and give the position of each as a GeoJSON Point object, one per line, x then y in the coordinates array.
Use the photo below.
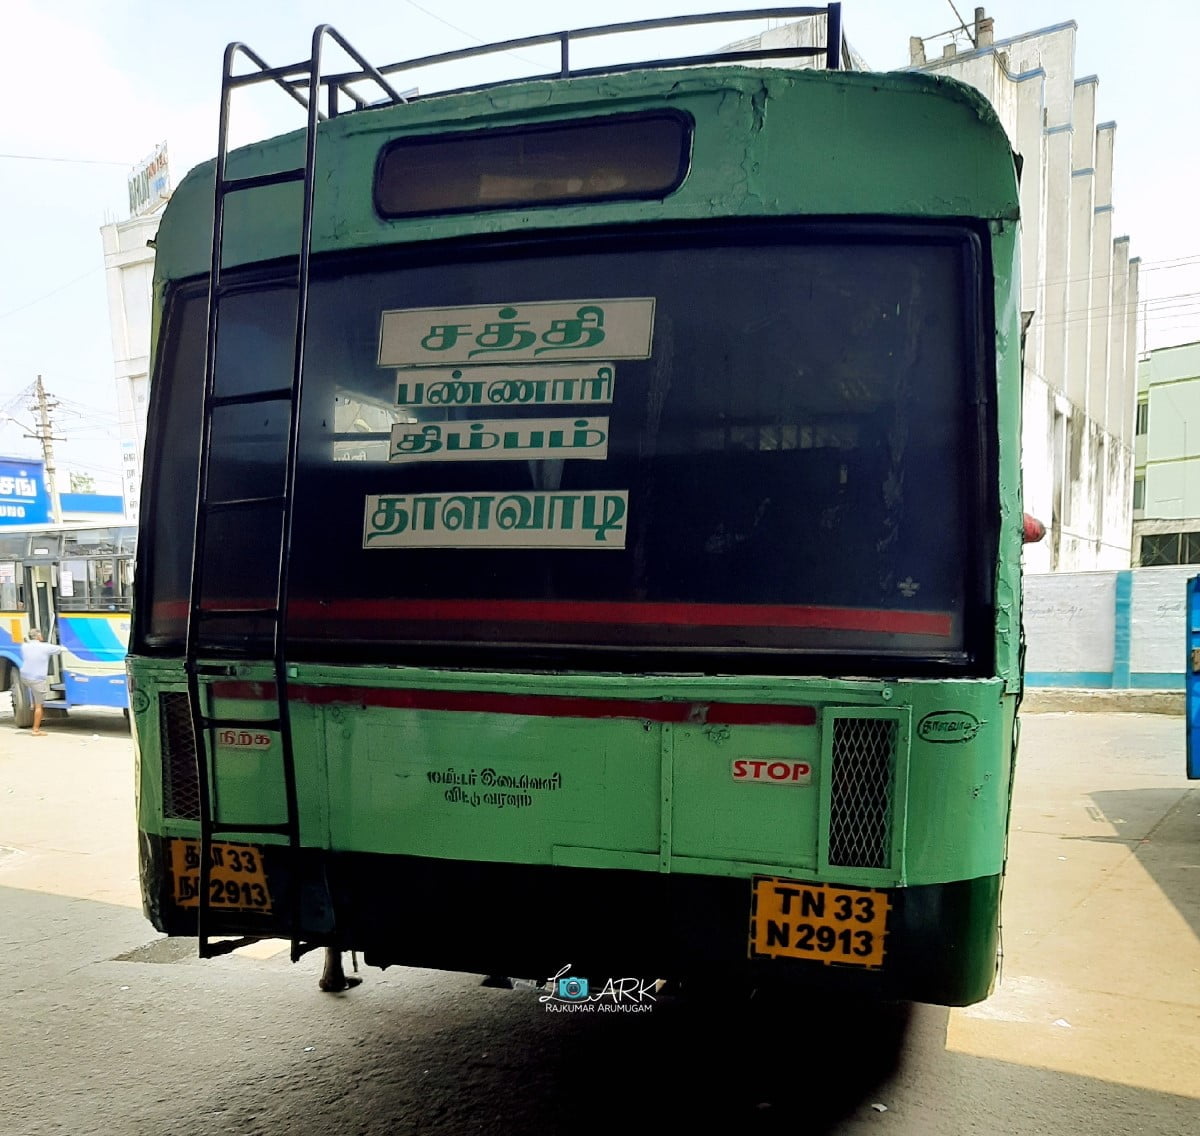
{"type": "Point", "coordinates": [740, 166]}
{"type": "Point", "coordinates": [428, 810]}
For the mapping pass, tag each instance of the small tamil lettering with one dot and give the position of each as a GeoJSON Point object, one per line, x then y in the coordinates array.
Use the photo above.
{"type": "Point", "coordinates": [491, 778]}
{"type": "Point", "coordinates": [450, 777]}
{"type": "Point", "coordinates": [595, 519]}
{"type": "Point", "coordinates": [945, 726]}
{"type": "Point", "coordinates": [504, 790]}
{"type": "Point", "coordinates": [500, 439]}
{"type": "Point", "coordinates": [514, 332]}
{"type": "Point", "coordinates": [541, 385]}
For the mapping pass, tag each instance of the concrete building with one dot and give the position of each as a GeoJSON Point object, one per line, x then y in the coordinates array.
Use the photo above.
{"type": "Point", "coordinates": [129, 272]}
{"type": "Point", "coordinates": [1166, 484]}
{"type": "Point", "coordinates": [129, 268]}
{"type": "Point", "coordinates": [1078, 281]}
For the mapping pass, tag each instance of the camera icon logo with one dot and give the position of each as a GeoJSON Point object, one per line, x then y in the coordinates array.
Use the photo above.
{"type": "Point", "coordinates": [573, 989]}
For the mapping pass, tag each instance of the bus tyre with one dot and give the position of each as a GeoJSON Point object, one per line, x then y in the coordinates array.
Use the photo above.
{"type": "Point", "coordinates": [22, 704]}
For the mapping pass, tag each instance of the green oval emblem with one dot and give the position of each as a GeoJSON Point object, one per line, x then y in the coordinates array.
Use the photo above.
{"type": "Point", "coordinates": [946, 726]}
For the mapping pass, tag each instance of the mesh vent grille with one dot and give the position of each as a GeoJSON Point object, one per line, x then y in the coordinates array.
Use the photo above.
{"type": "Point", "coordinates": [181, 789]}
{"type": "Point", "coordinates": [860, 813]}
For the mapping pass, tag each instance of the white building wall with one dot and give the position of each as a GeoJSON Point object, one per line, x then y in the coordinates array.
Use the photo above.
{"type": "Point", "coordinates": [1080, 384]}
{"type": "Point", "coordinates": [1079, 283]}
{"type": "Point", "coordinates": [129, 271]}
{"type": "Point", "coordinates": [1129, 391]}
{"type": "Point", "coordinates": [1103, 399]}
{"type": "Point", "coordinates": [1120, 629]}
{"type": "Point", "coordinates": [1122, 302]}
{"type": "Point", "coordinates": [1030, 141]}
{"type": "Point", "coordinates": [1069, 623]}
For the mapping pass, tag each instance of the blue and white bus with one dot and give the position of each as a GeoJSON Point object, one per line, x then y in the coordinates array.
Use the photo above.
{"type": "Point", "coordinates": [74, 583]}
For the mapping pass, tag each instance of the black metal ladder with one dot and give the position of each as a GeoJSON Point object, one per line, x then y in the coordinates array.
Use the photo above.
{"type": "Point", "coordinates": [303, 82]}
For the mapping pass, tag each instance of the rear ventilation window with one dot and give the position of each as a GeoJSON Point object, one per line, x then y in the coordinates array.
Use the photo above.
{"type": "Point", "coordinates": [863, 792]}
{"type": "Point", "coordinates": [181, 787]}
{"type": "Point", "coordinates": [618, 157]}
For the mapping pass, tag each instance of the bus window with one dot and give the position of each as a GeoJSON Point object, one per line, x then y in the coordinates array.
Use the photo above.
{"type": "Point", "coordinates": [9, 590]}
{"type": "Point", "coordinates": [72, 585]}
{"type": "Point", "coordinates": [769, 474]}
{"type": "Point", "coordinates": [102, 581]}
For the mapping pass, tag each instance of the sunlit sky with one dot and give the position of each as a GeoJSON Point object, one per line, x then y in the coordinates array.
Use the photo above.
{"type": "Point", "coordinates": [94, 85]}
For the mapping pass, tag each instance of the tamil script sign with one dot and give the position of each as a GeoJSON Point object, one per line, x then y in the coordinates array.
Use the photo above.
{"type": "Point", "coordinates": [23, 496]}
{"type": "Point", "coordinates": [500, 439]}
{"type": "Point", "coordinates": [540, 385]}
{"type": "Point", "coordinates": [594, 519]}
{"type": "Point", "coordinates": [510, 333]}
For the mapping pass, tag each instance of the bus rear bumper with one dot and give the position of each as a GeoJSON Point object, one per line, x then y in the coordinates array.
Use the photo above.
{"type": "Point", "coordinates": [532, 921]}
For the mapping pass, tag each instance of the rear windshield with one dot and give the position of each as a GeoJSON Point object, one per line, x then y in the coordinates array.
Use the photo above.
{"type": "Point", "coordinates": [616, 157]}
{"type": "Point", "coordinates": [766, 443]}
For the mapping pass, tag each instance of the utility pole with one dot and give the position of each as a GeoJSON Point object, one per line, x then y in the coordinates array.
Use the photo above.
{"type": "Point", "coordinates": [45, 435]}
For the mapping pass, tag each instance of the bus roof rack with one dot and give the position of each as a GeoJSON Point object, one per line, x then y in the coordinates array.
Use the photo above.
{"type": "Point", "coordinates": [295, 78]}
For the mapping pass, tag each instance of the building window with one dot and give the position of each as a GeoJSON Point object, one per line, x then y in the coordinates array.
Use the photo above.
{"type": "Point", "coordinates": [1139, 492]}
{"type": "Point", "coordinates": [1159, 549]}
{"type": "Point", "coordinates": [1143, 418]}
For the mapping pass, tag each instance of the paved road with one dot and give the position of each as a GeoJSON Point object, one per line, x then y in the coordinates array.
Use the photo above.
{"type": "Point", "coordinates": [107, 1028]}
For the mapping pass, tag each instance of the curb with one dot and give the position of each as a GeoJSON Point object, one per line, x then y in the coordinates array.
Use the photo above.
{"type": "Point", "coordinates": [1045, 700]}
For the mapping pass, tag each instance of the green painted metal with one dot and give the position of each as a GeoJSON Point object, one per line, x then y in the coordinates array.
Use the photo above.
{"type": "Point", "coordinates": [613, 792]}
{"type": "Point", "coordinates": [859, 147]}
{"type": "Point", "coordinates": [636, 794]}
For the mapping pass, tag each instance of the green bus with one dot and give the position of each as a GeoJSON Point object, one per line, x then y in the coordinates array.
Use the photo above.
{"type": "Point", "coordinates": [582, 525]}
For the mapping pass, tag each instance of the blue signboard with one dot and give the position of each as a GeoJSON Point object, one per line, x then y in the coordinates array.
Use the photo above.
{"type": "Point", "coordinates": [23, 496]}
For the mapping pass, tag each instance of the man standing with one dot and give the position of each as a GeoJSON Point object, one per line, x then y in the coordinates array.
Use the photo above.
{"type": "Point", "coordinates": [35, 666]}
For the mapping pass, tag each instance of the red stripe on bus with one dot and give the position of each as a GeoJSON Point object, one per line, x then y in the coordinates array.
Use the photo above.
{"type": "Point", "coordinates": [678, 614]}
{"type": "Point", "coordinates": [530, 705]}
{"type": "Point", "coordinates": [940, 624]}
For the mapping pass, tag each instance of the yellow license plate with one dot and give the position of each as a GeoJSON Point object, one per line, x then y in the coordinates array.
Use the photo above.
{"type": "Point", "coordinates": [238, 881]}
{"type": "Point", "coordinates": [790, 919]}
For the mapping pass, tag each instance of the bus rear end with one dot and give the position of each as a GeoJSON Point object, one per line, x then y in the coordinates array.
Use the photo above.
{"type": "Point", "coordinates": [652, 587]}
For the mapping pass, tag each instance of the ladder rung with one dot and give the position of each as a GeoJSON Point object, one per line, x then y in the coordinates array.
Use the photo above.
{"type": "Point", "coordinates": [236, 612]}
{"type": "Point", "coordinates": [244, 503]}
{"type": "Point", "coordinates": [275, 394]}
{"type": "Point", "coordinates": [242, 723]}
{"type": "Point", "coordinates": [258, 181]}
{"type": "Point", "coordinates": [256, 829]}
